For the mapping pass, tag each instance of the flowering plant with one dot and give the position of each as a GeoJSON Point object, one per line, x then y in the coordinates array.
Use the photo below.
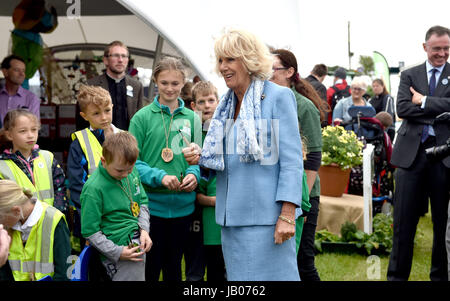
{"type": "Point", "coordinates": [341, 147]}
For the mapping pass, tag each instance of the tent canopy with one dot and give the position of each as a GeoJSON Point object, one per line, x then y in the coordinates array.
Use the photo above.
{"type": "Point", "coordinates": [188, 27]}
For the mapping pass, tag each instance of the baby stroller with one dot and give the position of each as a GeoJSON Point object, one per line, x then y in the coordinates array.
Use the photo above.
{"type": "Point", "coordinates": [370, 130]}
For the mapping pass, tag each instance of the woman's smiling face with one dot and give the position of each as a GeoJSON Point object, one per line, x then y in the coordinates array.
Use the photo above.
{"type": "Point", "coordinates": [234, 73]}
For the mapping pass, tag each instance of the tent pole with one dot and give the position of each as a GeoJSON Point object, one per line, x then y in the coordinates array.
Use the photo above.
{"type": "Point", "coordinates": [158, 51]}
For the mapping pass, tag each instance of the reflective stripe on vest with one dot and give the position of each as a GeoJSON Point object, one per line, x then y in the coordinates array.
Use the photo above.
{"type": "Point", "coordinates": [32, 267]}
{"type": "Point", "coordinates": [42, 172]}
{"type": "Point", "coordinates": [90, 147]}
{"type": "Point", "coordinates": [37, 256]}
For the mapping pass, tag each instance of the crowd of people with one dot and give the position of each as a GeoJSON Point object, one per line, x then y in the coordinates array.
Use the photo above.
{"type": "Point", "coordinates": [230, 183]}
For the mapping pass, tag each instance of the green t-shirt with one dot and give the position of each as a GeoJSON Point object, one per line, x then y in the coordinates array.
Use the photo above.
{"type": "Point", "coordinates": [106, 207]}
{"type": "Point", "coordinates": [310, 129]}
{"type": "Point", "coordinates": [211, 230]}
{"type": "Point", "coordinates": [306, 206]}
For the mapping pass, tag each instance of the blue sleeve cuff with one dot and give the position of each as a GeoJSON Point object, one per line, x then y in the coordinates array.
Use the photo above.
{"type": "Point", "coordinates": [195, 170]}
{"type": "Point", "coordinates": [150, 176]}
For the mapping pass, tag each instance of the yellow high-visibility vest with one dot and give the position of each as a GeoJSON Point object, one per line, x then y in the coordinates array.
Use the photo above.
{"type": "Point", "coordinates": [42, 173]}
{"type": "Point", "coordinates": [91, 148]}
{"type": "Point", "coordinates": [35, 260]}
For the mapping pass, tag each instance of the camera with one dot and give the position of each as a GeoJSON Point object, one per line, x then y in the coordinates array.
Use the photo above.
{"type": "Point", "coordinates": [440, 151]}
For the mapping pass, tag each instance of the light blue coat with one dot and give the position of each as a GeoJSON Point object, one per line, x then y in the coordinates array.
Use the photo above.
{"type": "Point", "coordinates": [341, 109]}
{"type": "Point", "coordinates": [250, 194]}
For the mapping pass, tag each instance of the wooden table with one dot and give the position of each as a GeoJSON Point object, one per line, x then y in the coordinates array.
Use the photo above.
{"type": "Point", "coordinates": [334, 211]}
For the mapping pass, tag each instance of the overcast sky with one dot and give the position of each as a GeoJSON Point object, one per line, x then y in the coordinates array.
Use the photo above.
{"type": "Point", "coordinates": [394, 28]}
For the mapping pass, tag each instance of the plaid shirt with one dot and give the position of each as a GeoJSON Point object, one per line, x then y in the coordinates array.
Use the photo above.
{"type": "Point", "coordinates": [60, 202]}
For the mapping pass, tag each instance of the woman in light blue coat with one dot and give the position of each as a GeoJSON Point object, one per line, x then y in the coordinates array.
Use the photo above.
{"type": "Point", "coordinates": [254, 145]}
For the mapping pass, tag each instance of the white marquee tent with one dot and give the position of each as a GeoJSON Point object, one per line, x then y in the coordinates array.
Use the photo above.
{"type": "Point", "coordinates": [188, 28]}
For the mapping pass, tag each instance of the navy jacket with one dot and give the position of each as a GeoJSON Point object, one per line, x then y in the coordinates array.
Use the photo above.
{"type": "Point", "coordinates": [77, 168]}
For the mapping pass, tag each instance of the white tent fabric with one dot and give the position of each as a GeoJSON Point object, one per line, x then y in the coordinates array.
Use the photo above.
{"type": "Point", "coordinates": [94, 29]}
{"type": "Point", "coordinates": [191, 26]}
{"type": "Point", "coordinates": [188, 27]}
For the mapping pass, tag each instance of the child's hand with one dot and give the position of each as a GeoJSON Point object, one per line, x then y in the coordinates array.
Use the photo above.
{"type": "Point", "coordinates": [131, 254]}
{"type": "Point", "coordinates": [171, 182]}
{"type": "Point", "coordinates": [146, 241]}
{"type": "Point", "coordinates": [189, 183]}
{"type": "Point", "coordinates": [337, 121]}
{"type": "Point", "coordinates": [192, 153]}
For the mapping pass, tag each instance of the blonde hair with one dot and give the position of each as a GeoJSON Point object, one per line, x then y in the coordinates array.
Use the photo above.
{"type": "Point", "coordinates": [92, 95]}
{"type": "Point", "coordinates": [169, 63]}
{"type": "Point", "coordinates": [121, 144]}
{"type": "Point", "coordinates": [243, 45]}
{"type": "Point", "coordinates": [12, 195]}
{"type": "Point", "coordinates": [9, 122]}
{"type": "Point", "coordinates": [203, 88]}
{"type": "Point", "coordinates": [10, 119]}
{"type": "Point", "coordinates": [358, 81]}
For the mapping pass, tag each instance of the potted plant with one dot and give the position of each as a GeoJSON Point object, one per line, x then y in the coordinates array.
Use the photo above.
{"type": "Point", "coordinates": [341, 151]}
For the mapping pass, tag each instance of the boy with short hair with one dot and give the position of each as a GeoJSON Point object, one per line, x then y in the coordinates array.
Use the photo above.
{"type": "Point", "coordinates": [204, 101]}
{"type": "Point", "coordinates": [114, 210]}
{"type": "Point", "coordinates": [86, 148]}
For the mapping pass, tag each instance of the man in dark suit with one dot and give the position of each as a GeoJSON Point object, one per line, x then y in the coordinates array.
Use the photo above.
{"type": "Point", "coordinates": [126, 93]}
{"type": "Point", "coordinates": [423, 94]}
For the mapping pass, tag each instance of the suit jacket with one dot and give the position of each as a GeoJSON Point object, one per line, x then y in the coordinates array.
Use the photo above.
{"type": "Point", "coordinates": [414, 117]}
{"type": "Point", "coordinates": [135, 102]}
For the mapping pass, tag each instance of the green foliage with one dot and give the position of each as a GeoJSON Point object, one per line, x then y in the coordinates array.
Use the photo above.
{"type": "Point", "coordinates": [353, 266]}
{"type": "Point", "coordinates": [341, 147]}
{"type": "Point", "coordinates": [369, 91]}
{"type": "Point", "coordinates": [383, 230]}
{"type": "Point", "coordinates": [367, 64]}
{"type": "Point", "coordinates": [381, 236]}
{"type": "Point", "coordinates": [324, 235]}
{"type": "Point", "coordinates": [347, 231]}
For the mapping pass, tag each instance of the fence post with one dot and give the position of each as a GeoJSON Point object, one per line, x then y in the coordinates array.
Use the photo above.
{"type": "Point", "coordinates": [367, 187]}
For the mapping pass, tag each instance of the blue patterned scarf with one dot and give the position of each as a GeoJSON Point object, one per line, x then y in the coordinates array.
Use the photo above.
{"type": "Point", "coordinates": [248, 131]}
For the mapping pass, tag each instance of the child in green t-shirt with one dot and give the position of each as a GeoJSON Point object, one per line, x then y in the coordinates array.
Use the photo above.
{"type": "Point", "coordinates": [205, 101]}
{"type": "Point", "coordinates": [306, 205]}
{"type": "Point", "coordinates": [114, 210]}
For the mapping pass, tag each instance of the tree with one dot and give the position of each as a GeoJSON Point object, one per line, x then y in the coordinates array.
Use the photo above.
{"type": "Point", "coordinates": [367, 64]}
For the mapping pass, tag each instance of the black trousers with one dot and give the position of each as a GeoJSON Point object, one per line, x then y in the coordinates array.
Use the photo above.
{"type": "Point", "coordinates": [425, 179]}
{"type": "Point", "coordinates": [169, 236]}
{"type": "Point", "coordinates": [194, 256]}
{"type": "Point", "coordinates": [305, 256]}
{"type": "Point", "coordinates": [215, 264]}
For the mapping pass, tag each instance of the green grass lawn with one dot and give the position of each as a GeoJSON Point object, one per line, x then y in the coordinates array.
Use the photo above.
{"type": "Point", "coordinates": [354, 267]}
